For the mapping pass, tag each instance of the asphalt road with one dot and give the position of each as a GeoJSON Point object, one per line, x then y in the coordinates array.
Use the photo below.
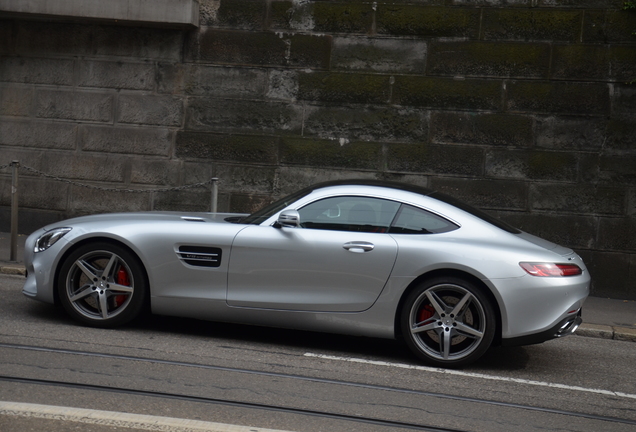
{"type": "Point", "coordinates": [182, 369]}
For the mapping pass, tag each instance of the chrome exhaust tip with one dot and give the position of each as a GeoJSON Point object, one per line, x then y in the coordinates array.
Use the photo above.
{"type": "Point", "coordinates": [570, 325]}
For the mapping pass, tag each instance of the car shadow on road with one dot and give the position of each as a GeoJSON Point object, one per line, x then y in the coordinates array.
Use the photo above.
{"type": "Point", "coordinates": [373, 349]}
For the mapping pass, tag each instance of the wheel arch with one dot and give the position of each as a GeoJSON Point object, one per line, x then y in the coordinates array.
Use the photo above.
{"type": "Point", "coordinates": [100, 239]}
{"type": "Point", "coordinates": [451, 273]}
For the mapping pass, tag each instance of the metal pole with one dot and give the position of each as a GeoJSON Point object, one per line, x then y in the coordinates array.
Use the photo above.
{"type": "Point", "coordinates": [14, 211]}
{"type": "Point", "coordinates": [215, 194]}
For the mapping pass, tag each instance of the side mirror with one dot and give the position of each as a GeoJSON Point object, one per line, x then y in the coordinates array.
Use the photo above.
{"type": "Point", "coordinates": [289, 219]}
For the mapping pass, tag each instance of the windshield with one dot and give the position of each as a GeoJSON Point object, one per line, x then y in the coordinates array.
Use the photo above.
{"type": "Point", "coordinates": [266, 212]}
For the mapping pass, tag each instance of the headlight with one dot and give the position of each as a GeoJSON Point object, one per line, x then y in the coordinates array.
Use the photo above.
{"type": "Point", "coordinates": [48, 239]}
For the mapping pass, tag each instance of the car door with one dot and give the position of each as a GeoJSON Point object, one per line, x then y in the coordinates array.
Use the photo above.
{"type": "Point", "coordinates": [337, 260]}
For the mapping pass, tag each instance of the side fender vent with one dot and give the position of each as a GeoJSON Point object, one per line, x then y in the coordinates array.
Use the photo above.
{"type": "Point", "coordinates": [200, 256]}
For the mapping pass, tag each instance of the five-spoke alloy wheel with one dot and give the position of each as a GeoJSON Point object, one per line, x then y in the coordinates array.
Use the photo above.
{"type": "Point", "coordinates": [448, 322]}
{"type": "Point", "coordinates": [102, 285]}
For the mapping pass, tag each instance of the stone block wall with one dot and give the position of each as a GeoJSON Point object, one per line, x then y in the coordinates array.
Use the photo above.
{"type": "Point", "coordinates": [524, 108]}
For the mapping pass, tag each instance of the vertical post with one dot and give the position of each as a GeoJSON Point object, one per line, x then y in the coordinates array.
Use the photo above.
{"type": "Point", "coordinates": [14, 211]}
{"type": "Point", "coordinates": [215, 194]}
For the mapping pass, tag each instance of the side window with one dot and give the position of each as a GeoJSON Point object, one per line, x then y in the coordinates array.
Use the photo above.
{"type": "Point", "coordinates": [412, 220]}
{"type": "Point", "coordinates": [349, 213]}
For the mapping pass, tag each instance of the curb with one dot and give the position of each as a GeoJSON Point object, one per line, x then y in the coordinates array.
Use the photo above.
{"type": "Point", "coordinates": [12, 269]}
{"type": "Point", "coordinates": [607, 332]}
{"type": "Point", "coordinates": [118, 419]}
{"type": "Point", "coordinates": [586, 330]}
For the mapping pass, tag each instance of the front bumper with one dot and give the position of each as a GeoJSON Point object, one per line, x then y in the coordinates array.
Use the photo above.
{"type": "Point", "coordinates": [40, 268]}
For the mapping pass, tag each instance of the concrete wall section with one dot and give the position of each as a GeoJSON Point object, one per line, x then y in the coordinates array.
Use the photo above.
{"type": "Point", "coordinates": [181, 13]}
{"type": "Point", "coordinates": [526, 109]}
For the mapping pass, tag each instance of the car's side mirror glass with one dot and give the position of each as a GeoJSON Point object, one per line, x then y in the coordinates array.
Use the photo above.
{"type": "Point", "coordinates": [289, 219]}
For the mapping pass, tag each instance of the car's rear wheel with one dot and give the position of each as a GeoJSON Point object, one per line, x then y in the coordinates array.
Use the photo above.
{"type": "Point", "coordinates": [448, 322]}
{"type": "Point", "coordinates": [102, 285]}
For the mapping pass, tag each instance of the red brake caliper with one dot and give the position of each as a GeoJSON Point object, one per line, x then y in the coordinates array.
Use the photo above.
{"type": "Point", "coordinates": [425, 313]}
{"type": "Point", "coordinates": [122, 279]}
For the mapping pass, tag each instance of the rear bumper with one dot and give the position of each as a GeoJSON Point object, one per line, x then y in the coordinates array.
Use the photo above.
{"type": "Point", "coordinates": [565, 327]}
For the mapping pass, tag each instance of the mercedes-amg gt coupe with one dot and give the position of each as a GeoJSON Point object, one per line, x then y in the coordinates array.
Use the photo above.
{"type": "Point", "coordinates": [368, 258]}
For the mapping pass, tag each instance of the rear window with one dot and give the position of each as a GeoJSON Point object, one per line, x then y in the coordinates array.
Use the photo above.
{"type": "Point", "coordinates": [475, 212]}
{"type": "Point", "coordinates": [413, 220]}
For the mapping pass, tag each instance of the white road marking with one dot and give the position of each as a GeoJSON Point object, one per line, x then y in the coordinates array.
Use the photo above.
{"type": "Point", "coordinates": [118, 419]}
{"type": "Point", "coordinates": [474, 375]}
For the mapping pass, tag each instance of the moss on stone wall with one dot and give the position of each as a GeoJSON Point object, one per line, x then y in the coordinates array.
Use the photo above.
{"type": "Point", "coordinates": [549, 164]}
{"type": "Point", "coordinates": [558, 97]}
{"type": "Point", "coordinates": [349, 17]}
{"type": "Point", "coordinates": [447, 93]}
{"type": "Point", "coordinates": [427, 21]}
{"type": "Point", "coordinates": [532, 24]}
{"type": "Point", "coordinates": [530, 60]}
{"type": "Point", "coordinates": [344, 88]}
{"type": "Point", "coordinates": [331, 153]}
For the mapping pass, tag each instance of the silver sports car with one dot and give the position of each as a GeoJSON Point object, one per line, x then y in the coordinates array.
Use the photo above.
{"type": "Point", "coordinates": [367, 258]}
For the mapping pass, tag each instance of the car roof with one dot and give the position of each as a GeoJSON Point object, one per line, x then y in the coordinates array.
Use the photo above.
{"type": "Point", "coordinates": [371, 182]}
{"type": "Point", "coordinates": [422, 191]}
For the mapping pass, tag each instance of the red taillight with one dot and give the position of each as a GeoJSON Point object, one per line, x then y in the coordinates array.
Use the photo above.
{"type": "Point", "coordinates": [551, 269]}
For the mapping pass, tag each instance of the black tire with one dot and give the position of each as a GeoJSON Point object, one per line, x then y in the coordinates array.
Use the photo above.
{"type": "Point", "coordinates": [448, 322]}
{"type": "Point", "coordinates": [102, 285]}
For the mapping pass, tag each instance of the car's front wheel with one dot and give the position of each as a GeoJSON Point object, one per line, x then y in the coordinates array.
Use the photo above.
{"type": "Point", "coordinates": [102, 285]}
{"type": "Point", "coordinates": [448, 322]}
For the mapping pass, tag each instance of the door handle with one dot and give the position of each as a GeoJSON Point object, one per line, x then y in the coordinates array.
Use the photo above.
{"type": "Point", "coordinates": [358, 246]}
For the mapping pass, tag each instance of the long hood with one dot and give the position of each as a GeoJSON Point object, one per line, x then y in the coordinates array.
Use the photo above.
{"type": "Point", "coordinates": [143, 217]}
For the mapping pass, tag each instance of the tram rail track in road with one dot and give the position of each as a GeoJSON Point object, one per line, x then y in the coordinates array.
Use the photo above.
{"type": "Point", "coordinates": [269, 407]}
{"type": "Point", "coordinates": [200, 399]}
